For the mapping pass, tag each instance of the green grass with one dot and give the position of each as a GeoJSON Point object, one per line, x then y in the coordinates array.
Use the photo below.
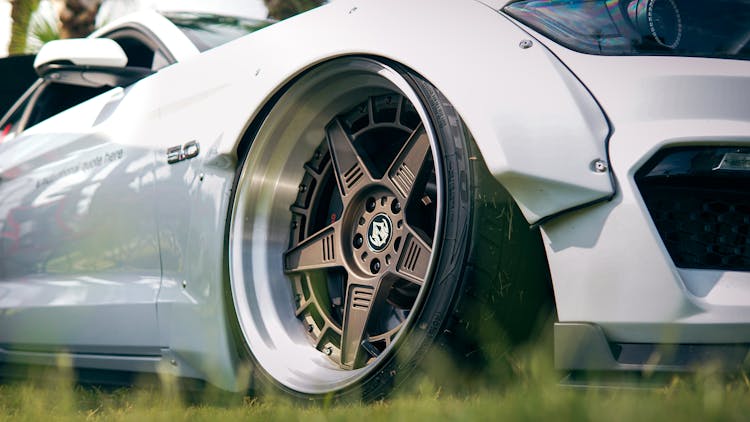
{"type": "Point", "coordinates": [531, 392]}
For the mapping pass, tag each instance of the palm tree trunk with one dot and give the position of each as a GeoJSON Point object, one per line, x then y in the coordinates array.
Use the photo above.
{"type": "Point", "coordinates": [20, 13]}
{"type": "Point", "coordinates": [77, 17]}
{"type": "Point", "coordinates": [282, 9]}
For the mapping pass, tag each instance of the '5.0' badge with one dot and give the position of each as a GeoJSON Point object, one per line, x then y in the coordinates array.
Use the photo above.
{"type": "Point", "coordinates": [183, 152]}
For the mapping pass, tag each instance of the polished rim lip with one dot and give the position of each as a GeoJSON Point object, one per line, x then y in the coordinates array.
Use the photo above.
{"type": "Point", "coordinates": [258, 221]}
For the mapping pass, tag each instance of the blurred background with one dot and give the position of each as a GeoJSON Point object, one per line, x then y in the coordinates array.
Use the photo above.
{"type": "Point", "coordinates": [27, 24]}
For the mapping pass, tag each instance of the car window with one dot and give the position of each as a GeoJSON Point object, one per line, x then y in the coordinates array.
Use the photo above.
{"type": "Point", "coordinates": [11, 123]}
{"type": "Point", "coordinates": [10, 126]}
{"type": "Point", "coordinates": [56, 98]}
{"type": "Point", "coordinates": [139, 54]}
{"type": "Point", "coordinates": [142, 48]}
{"type": "Point", "coordinates": [42, 101]}
{"type": "Point", "coordinates": [207, 31]}
{"type": "Point", "coordinates": [46, 99]}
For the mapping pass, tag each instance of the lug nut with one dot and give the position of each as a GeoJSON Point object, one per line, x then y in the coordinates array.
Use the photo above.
{"type": "Point", "coordinates": [375, 266]}
{"type": "Point", "coordinates": [395, 206]}
{"type": "Point", "coordinates": [310, 328]}
{"type": "Point", "coordinates": [370, 205]}
{"type": "Point", "coordinates": [328, 351]}
{"type": "Point", "coordinates": [358, 241]}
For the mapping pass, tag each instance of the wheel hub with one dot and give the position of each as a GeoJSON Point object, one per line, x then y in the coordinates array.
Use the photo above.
{"type": "Point", "coordinates": [379, 233]}
{"type": "Point", "coordinates": [379, 225]}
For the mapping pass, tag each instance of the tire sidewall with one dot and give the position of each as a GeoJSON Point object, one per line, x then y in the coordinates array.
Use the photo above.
{"type": "Point", "coordinates": [444, 287]}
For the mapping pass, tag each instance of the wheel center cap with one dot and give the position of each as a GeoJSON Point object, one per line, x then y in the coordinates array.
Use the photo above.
{"type": "Point", "coordinates": [379, 233]}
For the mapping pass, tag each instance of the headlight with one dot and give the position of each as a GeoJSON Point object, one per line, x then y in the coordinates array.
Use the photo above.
{"type": "Point", "coordinates": [711, 28]}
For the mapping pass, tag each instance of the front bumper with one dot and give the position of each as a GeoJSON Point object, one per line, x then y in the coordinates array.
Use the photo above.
{"type": "Point", "coordinates": [584, 347]}
{"type": "Point", "coordinates": [609, 265]}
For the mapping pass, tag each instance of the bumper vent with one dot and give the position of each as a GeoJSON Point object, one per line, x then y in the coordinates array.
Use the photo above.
{"type": "Point", "coordinates": [699, 200]}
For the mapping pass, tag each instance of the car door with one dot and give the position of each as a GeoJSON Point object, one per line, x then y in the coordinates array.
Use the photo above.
{"type": "Point", "coordinates": [79, 251]}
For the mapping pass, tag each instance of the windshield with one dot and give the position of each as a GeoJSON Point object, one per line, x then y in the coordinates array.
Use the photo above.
{"type": "Point", "coordinates": [207, 31]}
{"type": "Point", "coordinates": [707, 28]}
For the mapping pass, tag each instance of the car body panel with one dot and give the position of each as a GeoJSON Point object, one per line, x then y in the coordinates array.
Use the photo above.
{"type": "Point", "coordinates": [608, 262]}
{"type": "Point", "coordinates": [79, 231]}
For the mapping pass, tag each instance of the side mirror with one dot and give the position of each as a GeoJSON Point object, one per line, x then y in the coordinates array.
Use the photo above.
{"type": "Point", "coordinates": [91, 62]}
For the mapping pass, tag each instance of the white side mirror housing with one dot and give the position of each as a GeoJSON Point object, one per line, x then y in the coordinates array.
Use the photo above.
{"type": "Point", "coordinates": [92, 62]}
{"type": "Point", "coordinates": [99, 52]}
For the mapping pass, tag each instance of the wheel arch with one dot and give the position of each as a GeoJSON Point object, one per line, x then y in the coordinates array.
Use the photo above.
{"type": "Point", "coordinates": [256, 130]}
{"type": "Point", "coordinates": [543, 177]}
{"type": "Point", "coordinates": [538, 128]}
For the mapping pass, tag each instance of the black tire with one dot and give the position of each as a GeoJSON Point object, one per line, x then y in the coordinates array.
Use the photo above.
{"type": "Point", "coordinates": [489, 282]}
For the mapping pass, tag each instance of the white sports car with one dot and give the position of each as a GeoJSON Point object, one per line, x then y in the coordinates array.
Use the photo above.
{"type": "Point", "coordinates": [320, 205]}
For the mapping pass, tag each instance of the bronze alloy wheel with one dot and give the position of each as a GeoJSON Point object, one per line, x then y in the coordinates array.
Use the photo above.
{"type": "Point", "coordinates": [362, 229]}
{"type": "Point", "coordinates": [361, 218]}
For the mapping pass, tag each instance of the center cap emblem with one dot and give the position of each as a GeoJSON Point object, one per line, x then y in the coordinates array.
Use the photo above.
{"type": "Point", "coordinates": [379, 232]}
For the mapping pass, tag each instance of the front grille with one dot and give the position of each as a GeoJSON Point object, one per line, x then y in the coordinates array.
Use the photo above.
{"type": "Point", "coordinates": [700, 207]}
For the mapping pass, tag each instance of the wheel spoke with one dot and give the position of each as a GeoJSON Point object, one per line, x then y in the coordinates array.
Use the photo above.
{"type": "Point", "coordinates": [362, 300]}
{"type": "Point", "coordinates": [414, 259]}
{"type": "Point", "coordinates": [350, 171]}
{"type": "Point", "coordinates": [319, 251]}
{"type": "Point", "coordinates": [407, 165]}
